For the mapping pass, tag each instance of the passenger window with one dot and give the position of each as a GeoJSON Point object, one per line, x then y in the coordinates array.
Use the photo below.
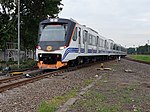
{"type": "Point", "coordinates": [79, 35]}
{"type": "Point", "coordinates": [75, 35]}
{"type": "Point", "coordinates": [90, 39]}
{"type": "Point", "coordinates": [105, 45]}
{"type": "Point", "coordinates": [97, 41]}
{"type": "Point", "coordinates": [93, 40]}
{"type": "Point", "coordinates": [85, 36]}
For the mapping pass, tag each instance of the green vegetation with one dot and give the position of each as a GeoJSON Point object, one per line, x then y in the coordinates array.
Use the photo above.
{"type": "Point", "coordinates": [32, 12]}
{"type": "Point", "coordinates": [87, 82]}
{"type": "Point", "coordinates": [14, 66]}
{"type": "Point", "coordinates": [94, 100]}
{"type": "Point", "coordinates": [109, 97]}
{"type": "Point", "coordinates": [52, 105]}
{"type": "Point", "coordinates": [112, 100]}
{"type": "Point", "coordinates": [144, 50]}
{"type": "Point", "coordinates": [145, 58]}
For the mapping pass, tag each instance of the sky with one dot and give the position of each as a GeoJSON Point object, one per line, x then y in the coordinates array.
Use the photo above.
{"type": "Point", "coordinates": [127, 22]}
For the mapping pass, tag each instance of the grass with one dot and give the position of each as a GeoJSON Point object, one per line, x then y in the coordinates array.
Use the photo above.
{"type": "Point", "coordinates": [95, 101]}
{"type": "Point", "coordinates": [145, 58]}
{"type": "Point", "coordinates": [88, 82]}
{"type": "Point", "coordinates": [115, 100]}
{"type": "Point", "coordinates": [108, 99]}
{"type": "Point", "coordinates": [53, 104]}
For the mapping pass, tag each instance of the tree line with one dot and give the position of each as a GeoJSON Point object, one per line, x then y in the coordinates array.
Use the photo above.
{"type": "Point", "coordinates": [31, 12]}
{"type": "Point", "coordinates": [145, 50]}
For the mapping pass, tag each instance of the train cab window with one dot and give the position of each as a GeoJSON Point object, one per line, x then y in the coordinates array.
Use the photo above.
{"type": "Point", "coordinates": [75, 35]}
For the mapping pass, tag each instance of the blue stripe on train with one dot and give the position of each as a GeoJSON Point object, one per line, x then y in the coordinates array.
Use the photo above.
{"type": "Point", "coordinates": [75, 50]}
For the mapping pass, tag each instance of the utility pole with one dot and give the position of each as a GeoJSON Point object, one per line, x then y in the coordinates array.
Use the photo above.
{"type": "Point", "coordinates": [18, 33]}
{"type": "Point", "coordinates": [148, 46]}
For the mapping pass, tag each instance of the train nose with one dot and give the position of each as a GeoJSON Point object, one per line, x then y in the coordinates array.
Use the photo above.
{"type": "Point", "coordinates": [49, 58]}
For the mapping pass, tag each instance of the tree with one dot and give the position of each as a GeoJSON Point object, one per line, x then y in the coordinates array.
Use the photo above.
{"type": "Point", "coordinates": [7, 22]}
{"type": "Point", "coordinates": [145, 50]}
{"type": "Point", "coordinates": [131, 50]}
{"type": "Point", "coordinates": [32, 12]}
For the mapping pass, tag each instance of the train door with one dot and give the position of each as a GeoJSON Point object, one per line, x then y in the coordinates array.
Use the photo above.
{"type": "Point", "coordinates": [105, 45]}
{"type": "Point", "coordinates": [85, 41]}
{"type": "Point", "coordinates": [79, 40]}
{"type": "Point", "coordinates": [97, 44]}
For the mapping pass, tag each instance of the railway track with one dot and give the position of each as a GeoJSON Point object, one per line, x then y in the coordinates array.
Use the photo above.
{"type": "Point", "coordinates": [32, 79]}
{"type": "Point", "coordinates": [38, 77]}
{"type": "Point", "coordinates": [10, 79]}
{"type": "Point", "coordinates": [19, 75]}
{"type": "Point", "coordinates": [26, 81]}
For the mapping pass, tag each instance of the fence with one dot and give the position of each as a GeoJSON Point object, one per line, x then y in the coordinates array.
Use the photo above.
{"type": "Point", "coordinates": [12, 54]}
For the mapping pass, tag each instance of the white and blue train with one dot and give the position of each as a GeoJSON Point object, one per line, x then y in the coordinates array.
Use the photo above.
{"type": "Point", "coordinates": [64, 42]}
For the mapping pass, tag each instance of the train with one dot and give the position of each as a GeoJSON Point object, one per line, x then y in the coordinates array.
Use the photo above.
{"type": "Point", "coordinates": [65, 42]}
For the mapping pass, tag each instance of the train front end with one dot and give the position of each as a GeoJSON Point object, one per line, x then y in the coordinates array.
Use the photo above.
{"type": "Point", "coordinates": [53, 39]}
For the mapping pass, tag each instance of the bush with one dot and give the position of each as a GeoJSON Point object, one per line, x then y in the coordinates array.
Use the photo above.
{"type": "Point", "coordinates": [0, 68]}
{"type": "Point", "coordinates": [29, 63]}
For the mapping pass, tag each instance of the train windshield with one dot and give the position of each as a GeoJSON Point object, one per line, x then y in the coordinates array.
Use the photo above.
{"type": "Point", "coordinates": [53, 33]}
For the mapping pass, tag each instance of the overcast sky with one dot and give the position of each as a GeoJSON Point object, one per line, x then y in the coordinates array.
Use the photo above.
{"type": "Point", "coordinates": [125, 21]}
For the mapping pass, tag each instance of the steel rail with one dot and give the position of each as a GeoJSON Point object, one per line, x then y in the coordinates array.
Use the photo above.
{"type": "Point", "coordinates": [20, 76]}
{"type": "Point", "coordinates": [10, 79]}
{"type": "Point", "coordinates": [29, 80]}
{"type": "Point", "coordinates": [39, 77]}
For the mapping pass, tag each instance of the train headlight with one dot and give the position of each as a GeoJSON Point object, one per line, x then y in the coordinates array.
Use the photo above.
{"type": "Point", "coordinates": [62, 47]}
{"type": "Point", "coordinates": [40, 55]}
{"type": "Point", "coordinates": [51, 20]}
{"type": "Point", "coordinates": [38, 47]}
{"type": "Point", "coordinates": [54, 20]}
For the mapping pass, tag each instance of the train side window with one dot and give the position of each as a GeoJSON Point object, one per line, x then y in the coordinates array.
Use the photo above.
{"type": "Point", "coordinates": [93, 40]}
{"type": "Point", "coordinates": [105, 45]}
{"type": "Point", "coordinates": [75, 35]}
{"type": "Point", "coordinates": [79, 33]}
{"type": "Point", "coordinates": [85, 36]}
{"type": "Point", "coordinates": [100, 42]}
{"type": "Point", "coordinates": [111, 46]}
{"type": "Point", "coordinates": [97, 40]}
{"type": "Point", "coordinates": [114, 46]}
{"type": "Point", "coordinates": [90, 39]}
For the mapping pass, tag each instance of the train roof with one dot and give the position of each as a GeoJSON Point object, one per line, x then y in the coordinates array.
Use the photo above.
{"type": "Point", "coordinates": [57, 20]}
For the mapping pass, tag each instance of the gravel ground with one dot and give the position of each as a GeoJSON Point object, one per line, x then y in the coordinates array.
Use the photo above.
{"type": "Point", "coordinates": [28, 97]}
{"type": "Point", "coordinates": [118, 91]}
